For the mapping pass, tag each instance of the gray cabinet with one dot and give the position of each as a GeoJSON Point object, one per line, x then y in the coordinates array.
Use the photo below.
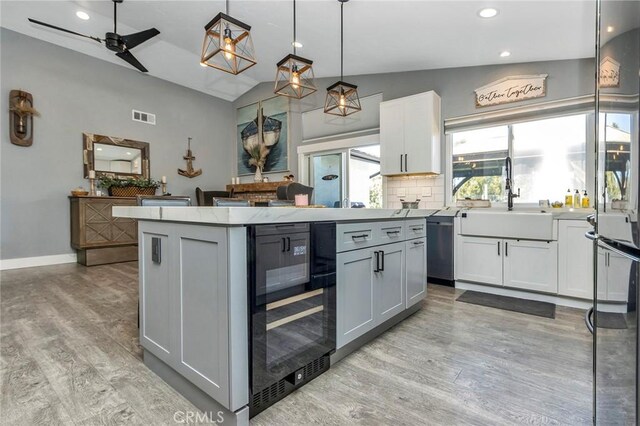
{"type": "Point", "coordinates": [390, 281]}
{"type": "Point", "coordinates": [193, 312]}
{"type": "Point", "coordinates": [355, 294]}
{"type": "Point", "coordinates": [378, 282]}
{"type": "Point", "coordinates": [416, 266]}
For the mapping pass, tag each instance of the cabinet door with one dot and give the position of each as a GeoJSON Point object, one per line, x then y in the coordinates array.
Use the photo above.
{"type": "Point", "coordinates": [416, 263]}
{"type": "Point", "coordinates": [575, 259]}
{"type": "Point", "coordinates": [422, 133]}
{"type": "Point", "coordinates": [389, 291]}
{"type": "Point", "coordinates": [201, 256]}
{"type": "Point", "coordinates": [355, 315]}
{"type": "Point", "coordinates": [156, 289]}
{"type": "Point", "coordinates": [479, 260]}
{"type": "Point", "coordinates": [531, 265]}
{"type": "Point", "coordinates": [618, 274]}
{"type": "Point", "coordinates": [391, 138]}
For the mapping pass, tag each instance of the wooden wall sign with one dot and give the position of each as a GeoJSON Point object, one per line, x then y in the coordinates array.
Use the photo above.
{"type": "Point", "coordinates": [609, 73]}
{"type": "Point", "coordinates": [512, 89]}
{"type": "Point", "coordinates": [21, 113]}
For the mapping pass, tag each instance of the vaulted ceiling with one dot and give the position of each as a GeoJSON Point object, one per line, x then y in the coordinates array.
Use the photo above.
{"type": "Point", "coordinates": [380, 36]}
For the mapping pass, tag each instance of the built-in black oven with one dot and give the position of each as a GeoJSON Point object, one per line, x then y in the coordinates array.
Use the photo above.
{"type": "Point", "coordinates": [292, 305]}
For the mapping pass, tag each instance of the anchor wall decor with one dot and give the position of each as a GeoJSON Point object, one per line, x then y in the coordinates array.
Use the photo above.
{"type": "Point", "coordinates": [190, 172]}
{"type": "Point", "coordinates": [21, 113]}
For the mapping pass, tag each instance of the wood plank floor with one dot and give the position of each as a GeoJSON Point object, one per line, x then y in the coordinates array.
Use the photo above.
{"type": "Point", "coordinates": [70, 355]}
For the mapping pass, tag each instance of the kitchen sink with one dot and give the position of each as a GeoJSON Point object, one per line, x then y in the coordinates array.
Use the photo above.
{"type": "Point", "coordinates": [507, 224]}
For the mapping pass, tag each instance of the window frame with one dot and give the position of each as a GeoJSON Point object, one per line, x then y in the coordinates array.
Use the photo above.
{"type": "Point", "coordinates": [527, 116]}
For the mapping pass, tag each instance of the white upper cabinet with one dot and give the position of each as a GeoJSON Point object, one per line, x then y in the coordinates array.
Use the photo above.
{"type": "Point", "coordinates": [410, 135]}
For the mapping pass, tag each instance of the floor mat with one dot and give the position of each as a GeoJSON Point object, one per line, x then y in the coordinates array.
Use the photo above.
{"type": "Point", "coordinates": [530, 307]}
{"type": "Point", "coordinates": [611, 320]}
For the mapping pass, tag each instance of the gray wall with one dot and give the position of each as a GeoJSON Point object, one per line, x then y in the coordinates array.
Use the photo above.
{"type": "Point", "coordinates": [76, 93]}
{"type": "Point", "coordinates": [455, 86]}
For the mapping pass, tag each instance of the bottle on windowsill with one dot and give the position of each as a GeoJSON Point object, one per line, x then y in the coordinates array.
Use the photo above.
{"type": "Point", "coordinates": [576, 200]}
{"type": "Point", "coordinates": [568, 199]}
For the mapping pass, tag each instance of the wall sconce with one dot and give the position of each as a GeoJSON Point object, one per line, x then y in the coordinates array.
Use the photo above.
{"type": "Point", "coordinates": [21, 113]}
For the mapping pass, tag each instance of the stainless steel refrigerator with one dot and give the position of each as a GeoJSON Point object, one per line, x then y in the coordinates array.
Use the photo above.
{"type": "Point", "coordinates": [613, 319]}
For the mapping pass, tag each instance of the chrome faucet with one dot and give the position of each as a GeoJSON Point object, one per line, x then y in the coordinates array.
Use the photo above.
{"type": "Point", "coordinates": [508, 166]}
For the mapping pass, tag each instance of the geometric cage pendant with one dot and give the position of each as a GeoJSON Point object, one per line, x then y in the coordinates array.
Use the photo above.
{"type": "Point", "coordinates": [342, 99]}
{"type": "Point", "coordinates": [227, 45]}
{"type": "Point", "coordinates": [294, 77]}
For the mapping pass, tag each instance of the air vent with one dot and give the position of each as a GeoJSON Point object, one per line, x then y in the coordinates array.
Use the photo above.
{"type": "Point", "coordinates": [143, 117]}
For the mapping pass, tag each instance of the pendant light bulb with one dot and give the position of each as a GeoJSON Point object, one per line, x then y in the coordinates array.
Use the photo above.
{"type": "Point", "coordinates": [229, 48]}
{"type": "Point", "coordinates": [295, 77]}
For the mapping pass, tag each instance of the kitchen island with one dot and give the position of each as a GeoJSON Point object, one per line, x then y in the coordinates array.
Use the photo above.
{"type": "Point", "coordinates": [199, 326]}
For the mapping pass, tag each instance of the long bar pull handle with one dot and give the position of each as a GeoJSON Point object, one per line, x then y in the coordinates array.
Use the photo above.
{"type": "Point", "coordinates": [588, 321]}
{"type": "Point", "coordinates": [401, 163]}
{"type": "Point", "coordinates": [376, 254]}
{"type": "Point", "coordinates": [406, 169]}
{"type": "Point", "coordinates": [382, 261]}
{"type": "Point", "coordinates": [353, 237]}
{"type": "Point", "coordinates": [288, 243]}
{"type": "Point", "coordinates": [506, 249]}
{"type": "Point", "coordinates": [284, 245]}
{"type": "Point", "coordinates": [498, 248]}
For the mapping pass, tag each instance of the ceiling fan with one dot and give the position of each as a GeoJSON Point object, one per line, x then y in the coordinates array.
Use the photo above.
{"type": "Point", "coordinates": [121, 44]}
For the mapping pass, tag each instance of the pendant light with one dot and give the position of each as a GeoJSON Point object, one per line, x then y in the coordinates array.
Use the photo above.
{"type": "Point", "coordinates": [342, 98]}
{"type": "Point", "coordinates": [294, 74]}
{"type": "Point", "coordinates": [227, 44]}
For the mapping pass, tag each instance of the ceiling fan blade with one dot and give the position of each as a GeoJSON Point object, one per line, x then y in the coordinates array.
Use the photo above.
{"type": "Point", "coordinates": [64, 30]}
{"type": "Point", "coordinates": [128, 56]}
{"type": "Point", "coordinates": [132, 40]}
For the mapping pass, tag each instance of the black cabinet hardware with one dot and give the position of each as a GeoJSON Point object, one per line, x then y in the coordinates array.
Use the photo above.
{"type": "Point", "coordinates": [406, 169]}
{"type": "Point", "coordinates": [353, 237]}
{"type": "Point", "coordinates": [288, 243]}
{"type": "Point", "coordinates": [401, 163]}
{"type": "Point", "coordinates": [156, 250]}
{"type": "Point", "coordinates": [498, 248]}
{"type": "Point", "coordinates": [506, 249]}
{"type": "Point", "coordinates": [377, 255]}
{"type": "Point", "coordinates": [381, 261]}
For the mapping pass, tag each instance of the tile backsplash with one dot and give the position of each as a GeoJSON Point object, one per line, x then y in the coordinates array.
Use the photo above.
{"type": "Point", "coordinates": [429, 189]}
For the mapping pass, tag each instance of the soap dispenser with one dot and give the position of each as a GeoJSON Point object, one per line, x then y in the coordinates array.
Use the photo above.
{"type": "Point", "coordinates": [576, 199]}
{"type": "Point", "coordinates": [568, 199]}
{"type": "Point", "coordinates": [585, 200]}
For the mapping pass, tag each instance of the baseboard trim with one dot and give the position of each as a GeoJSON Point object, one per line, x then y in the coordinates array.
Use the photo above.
{"type": "Point", "coordinates": [29, 262]}
{"type": "Point", "coordinates": [558, 300]}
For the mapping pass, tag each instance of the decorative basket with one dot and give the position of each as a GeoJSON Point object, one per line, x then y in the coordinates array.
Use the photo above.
{"type": "Point", "coordinates": [130, 191]}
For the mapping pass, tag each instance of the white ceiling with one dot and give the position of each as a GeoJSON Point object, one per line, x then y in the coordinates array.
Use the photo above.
{"type": "Point", "coordinates": [380, 35]}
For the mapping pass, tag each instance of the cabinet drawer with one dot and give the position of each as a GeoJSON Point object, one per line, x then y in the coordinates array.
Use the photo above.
{"type": "Point", "coordinates": [352, 236]}
{"type": "Point", "coordinates": [390, 232]}
{"type": "Point", "coordinates": [279, 229]}
{"type": "Point", "coordinates": [416, 228]}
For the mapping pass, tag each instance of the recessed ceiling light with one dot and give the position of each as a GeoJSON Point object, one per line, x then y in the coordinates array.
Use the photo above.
{"type": "Point", "coordinates": [610, 29]}
{"type": "Point", "coordinates": [505, 54]}
{"type": "Point", "coordinates": [82, 15]}
{"type": "Point", "coordinates": [296, 44]}
{"type": "Point", "coordinates": [488, 12]}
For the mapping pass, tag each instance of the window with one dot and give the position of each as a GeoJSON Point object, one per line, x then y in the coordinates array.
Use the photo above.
{"type": "Point", "coordinates": [615, 132]}
{"type": "Point", "coordinates": [548, 156]}
{"type": "Point", "coordinates": [478, 159]}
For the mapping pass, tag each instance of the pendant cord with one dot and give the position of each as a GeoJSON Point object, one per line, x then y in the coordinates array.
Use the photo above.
{"type": "Point", "coordinates": [294, 27]}
{"type": "Point", "coordinates": [341, 40]}
{"type": "Point", "coordinates": [115, 18]}
{"type": "Point", "coordinates": [227, 6]}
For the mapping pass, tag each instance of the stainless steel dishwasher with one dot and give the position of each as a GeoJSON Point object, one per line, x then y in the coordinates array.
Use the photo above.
{"type": "Point", "coordinates": [440, 250]}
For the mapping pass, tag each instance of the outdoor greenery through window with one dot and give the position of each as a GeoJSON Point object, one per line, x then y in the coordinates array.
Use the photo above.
{"type": "Point", "coordinates": [615, 132]}
{"type": "Point", "coordinates": [549, 157]}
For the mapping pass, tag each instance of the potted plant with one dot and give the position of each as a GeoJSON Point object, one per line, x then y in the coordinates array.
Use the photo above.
{"type": "Point", "coordinates": [128, 187]}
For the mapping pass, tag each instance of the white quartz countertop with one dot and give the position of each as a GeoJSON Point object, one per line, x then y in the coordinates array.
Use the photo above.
{"type": "Point", "coordinates": [260, 215]}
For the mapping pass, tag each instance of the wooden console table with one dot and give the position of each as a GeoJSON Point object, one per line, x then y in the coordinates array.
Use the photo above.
{"type": "Point", "coordinates": [99, 237]}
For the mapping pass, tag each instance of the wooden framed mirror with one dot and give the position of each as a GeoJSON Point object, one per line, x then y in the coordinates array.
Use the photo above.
{"type": "Point", "coordinates": [111, 156]}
